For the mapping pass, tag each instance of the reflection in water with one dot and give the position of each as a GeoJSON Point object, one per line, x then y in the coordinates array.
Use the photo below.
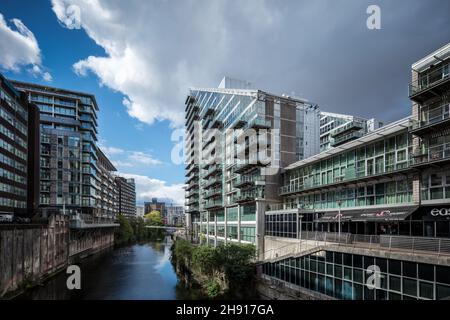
{"type": "Point", "coordinates": [140, 272]}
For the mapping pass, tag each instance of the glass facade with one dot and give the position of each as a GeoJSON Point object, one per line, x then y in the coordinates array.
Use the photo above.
{"type": "Point", "coordinates": [345, 276]}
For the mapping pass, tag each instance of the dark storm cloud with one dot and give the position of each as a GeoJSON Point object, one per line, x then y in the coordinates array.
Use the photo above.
{"type": "Point", "coordinates": [321, 50]}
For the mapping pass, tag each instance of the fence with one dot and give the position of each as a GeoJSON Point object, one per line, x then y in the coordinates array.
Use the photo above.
{"type": "Point", "coordinates": [315, 240]}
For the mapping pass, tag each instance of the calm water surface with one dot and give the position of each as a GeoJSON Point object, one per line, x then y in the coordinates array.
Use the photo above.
{"type": "Point", "coordinates": [138, 272]}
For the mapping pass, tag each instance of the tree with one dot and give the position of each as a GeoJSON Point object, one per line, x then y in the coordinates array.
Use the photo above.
{"type": "Point", "coordinates": [125, 233]}
{"type": "Point", "coordinates": [154, 218]}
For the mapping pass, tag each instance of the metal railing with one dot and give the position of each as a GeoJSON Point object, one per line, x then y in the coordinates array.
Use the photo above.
{"type": "Point", "coordinates": [316, 241]}
{"type": "Point", "coordinates": [349, 125]}
{"type": "Point", "coordinates": [433, 116]}
{"type": "Point", "coordinates": [346, 137]}
{"type": "Point", "coordinates": [429, 79]}
{"type": "Point", "coordinates": [431, 154]}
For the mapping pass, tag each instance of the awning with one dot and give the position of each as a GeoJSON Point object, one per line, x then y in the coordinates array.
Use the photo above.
{"type": "Point", "coordinates": [370, 215]}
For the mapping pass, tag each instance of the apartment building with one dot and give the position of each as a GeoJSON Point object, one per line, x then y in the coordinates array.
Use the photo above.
{"type": "Point", "coordinates": [237, 139]}
{"type": "Point", "coordinates": [380, 201]}
{"type": "Point", "coordinates": [126, 196]}
{"type": "Point", "coordinates": [68, 152]}
{"type": "Point", "coordinates": [156, 205]}
{"type": "Point", "coordinates": [19, 149]}
{"type": "Point", "coordinates": [107, 191]}
{"type": "Point", "coordinates": [175, 214]}
{"type": "Point", "coordinates": [337, 129]}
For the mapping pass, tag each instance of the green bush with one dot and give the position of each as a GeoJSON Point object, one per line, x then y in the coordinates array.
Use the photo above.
{"type": "Point", "coordinates": [204, 258]}
{"type": "Point", "coordinates": [212, 289]}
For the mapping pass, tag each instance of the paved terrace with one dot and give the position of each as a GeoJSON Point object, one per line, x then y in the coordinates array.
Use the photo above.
{"type": "Point", "coordinates": [416, 249]}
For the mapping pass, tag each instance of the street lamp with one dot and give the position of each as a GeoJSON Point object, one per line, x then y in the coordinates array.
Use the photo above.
{"type": "Point", "coordinates": [339, 220]}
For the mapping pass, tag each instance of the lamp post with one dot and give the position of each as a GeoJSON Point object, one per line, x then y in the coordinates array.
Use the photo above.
{"type": "Point", "coordinates": [339, 220]}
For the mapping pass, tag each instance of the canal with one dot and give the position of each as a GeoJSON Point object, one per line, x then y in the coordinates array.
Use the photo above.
{"type": "Point", "coordinates": [136, 272]}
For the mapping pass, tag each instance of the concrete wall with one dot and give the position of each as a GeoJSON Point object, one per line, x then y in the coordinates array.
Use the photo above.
{"type": "Point", "coordinates": [29, 254]}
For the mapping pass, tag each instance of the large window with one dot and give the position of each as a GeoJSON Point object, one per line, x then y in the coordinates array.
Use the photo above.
{"type": "Point", "coordinates": [344, 276]}
{"type": "Point", "coordinates": [281, 225]}
{"type": "Point", "coordinates": [248, 234]}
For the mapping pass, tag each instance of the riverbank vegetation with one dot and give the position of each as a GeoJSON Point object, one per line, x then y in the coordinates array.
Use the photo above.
{"type": "Point", "coordinates": [133, 230]}
{"type": "Point", "coordinates": [226, 271]}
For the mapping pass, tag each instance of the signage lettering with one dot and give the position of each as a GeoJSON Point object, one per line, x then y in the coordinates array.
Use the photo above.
{"type": "Point", "coordinates": [440, 212]}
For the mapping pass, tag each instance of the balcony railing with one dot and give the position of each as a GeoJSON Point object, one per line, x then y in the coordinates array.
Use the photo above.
{"type": "Point", "coordinates": [247, 180]}
{"type": "Point", "coordinates": [433, 116]}
{"type": "Point", "coordinates": [213, 204]}
{"type": "Point", "coordinates": [212, 193]}
{"type": "Point", "coordinates": [346, 137]}
{"type": "Point", "coordinates": [432, 154]}
{"type": "Point", "coordinates": [429, 79]}
{"type": "Point", "coordinates": [248, 196]}
{"type": "Point", "coordinates": [348, 126]}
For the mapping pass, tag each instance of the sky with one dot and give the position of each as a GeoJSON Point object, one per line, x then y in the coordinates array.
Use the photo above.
{"type": "Point", "coordinates": [139, 58]}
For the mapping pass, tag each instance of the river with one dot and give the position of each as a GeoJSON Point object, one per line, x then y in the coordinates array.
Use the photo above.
{"type": "Point", "coordinates": [136, 272]}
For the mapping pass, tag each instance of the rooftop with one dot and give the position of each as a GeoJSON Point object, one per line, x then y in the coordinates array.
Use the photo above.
{"type": "Point", "coordinates": [370, 137]}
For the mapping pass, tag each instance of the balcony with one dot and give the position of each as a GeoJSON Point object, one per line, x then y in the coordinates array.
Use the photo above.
{"type": "Point", "coordinates": [239, 124]}
{"type": "Point", "coordinates": [192, 178]}
{"type": "Point", "coordinates": [213, 169]}
{"type": "Point", "coordinates": [212, 193]}
{"type": "Point", "coordinates": [433, 120]}
{"type": "Point", "coordinates": [191, 169]}
{"type": "Point", "coordinates": [190, 194]}
{"type": "Point", "coordinates": [207, 112]}
{"type": "Point", "coordinates": [192, 185]}
{"type": "Point", "coordinates": [245, 181]}
{"type": "Point", "coordinates": [248, 165]}
{"type": "Point", "coordinates": [348, 127]}
{"type": "Point", "coordinates": [213, 182]}
{"type": "Point", "coordinates": [217, 204]}
{"type": "Point", "coordinates": [346, 138]}
{"type": "Point", "coordinates": [430, 84]}
{"type": "Point", "coordinates": [248, 196]}
{"type": "Point", "coordinates": [259, 123]}
{"type": "Point", "coordinates": [192, 201]}
{"type": "Point", "coordinates": [432, 155]}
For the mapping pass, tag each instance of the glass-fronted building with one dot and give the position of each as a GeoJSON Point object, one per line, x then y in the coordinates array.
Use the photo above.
{"type": "Point", "coordinates": [380, 200]}
{"type": "Point", "coordinates": [19, 134]}
{"type": "Point", "coordinates": [236, 141]}
{"type": "Point", "coordinates": [69, 173]}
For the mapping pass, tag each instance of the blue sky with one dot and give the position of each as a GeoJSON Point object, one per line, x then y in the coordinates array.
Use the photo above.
{"type": "Point", "coordinates": [136, 147]}
{"type": "Point", "coordinates": [140, 57]}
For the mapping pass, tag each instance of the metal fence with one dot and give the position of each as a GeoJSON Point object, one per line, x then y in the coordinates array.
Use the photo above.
{"type": "Point", "coordinates": [313, 240]}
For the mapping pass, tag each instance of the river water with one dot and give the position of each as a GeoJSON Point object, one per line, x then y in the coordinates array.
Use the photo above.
{"type": "Point", "coordinates": [136, 272]}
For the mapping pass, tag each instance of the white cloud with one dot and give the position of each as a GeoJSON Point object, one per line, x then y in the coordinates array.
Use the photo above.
{"type": "Point", "coordinates": [122, 158]}
{"type": "Point", "coordinates": [110, 151]}
{"type": "Point", "coordinates": [143, 158]}
{"type": "Point", "coordinates": [122, 164]}
{"type": "Point", "coordinates": [156, 50]}
{"type": "Point", "coordinates": [19, 48]}
{"type": "Point", "coordinates": [148, 188]}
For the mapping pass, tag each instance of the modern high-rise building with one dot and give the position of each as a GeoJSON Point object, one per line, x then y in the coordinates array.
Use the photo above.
{"type": "Point", "coordinates": [19, 149]}
{"type": "Point", "coordinates": [379, 202]}
{"type": "Point", "coordinates": [236, 141]}
{"type": "Point", "coordinates": [175, 214]}
{"type": "Point", "coordinates": [107, 191]}
{"type": "Point", "coordinates": [156, 205]}
{"type": "Point", "coordinates": [126, 196]}
{"type": "Point", "coordinates": [337, 129]}
{"type": "Point", "coordinates": [140, 212]}
{"type": "Point", "coordinates": [68, 159]}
